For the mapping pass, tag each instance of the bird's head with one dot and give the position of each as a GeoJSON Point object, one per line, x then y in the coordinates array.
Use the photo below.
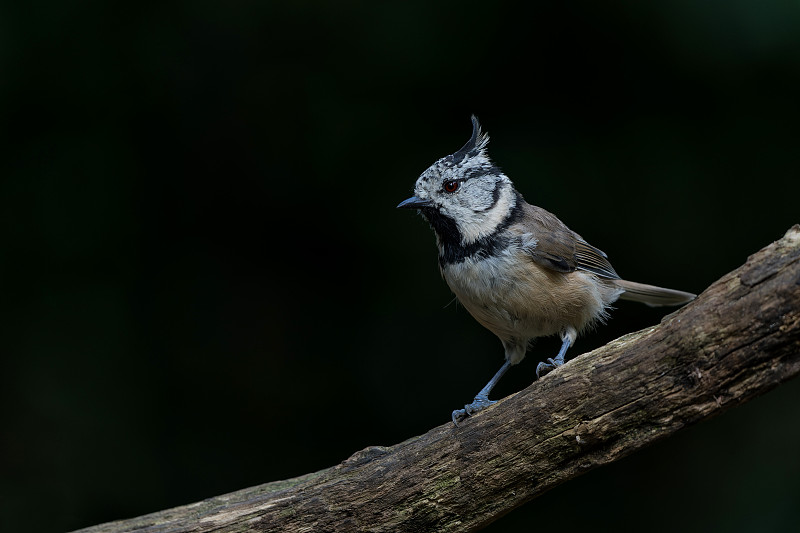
{"type": "Point", "coordinates": [464, 196]}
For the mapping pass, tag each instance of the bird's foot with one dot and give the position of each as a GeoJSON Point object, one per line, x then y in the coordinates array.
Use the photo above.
{"type": "Point", "coordinates": [551, 364]}
{"type": "Point", "coordinates": [478, 404]}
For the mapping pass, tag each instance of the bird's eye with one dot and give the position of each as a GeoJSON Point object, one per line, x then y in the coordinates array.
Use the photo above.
{"type": "Point", "coordinates": [451, 185]}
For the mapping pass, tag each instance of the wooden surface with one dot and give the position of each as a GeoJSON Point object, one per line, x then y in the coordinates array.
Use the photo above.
{"type": "Point", "coordinates": [739, 339]}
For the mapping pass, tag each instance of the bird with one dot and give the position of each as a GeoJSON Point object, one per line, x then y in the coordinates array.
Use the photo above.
{"type": "Point", "coordinates": [515, 267]}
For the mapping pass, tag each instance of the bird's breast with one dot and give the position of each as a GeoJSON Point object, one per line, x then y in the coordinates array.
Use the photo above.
{"type": "Point", "coordinates": [514, 297]}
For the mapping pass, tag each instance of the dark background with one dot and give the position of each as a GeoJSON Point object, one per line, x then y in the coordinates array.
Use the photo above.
{"type": "Point", "coordinates": [205, 284]}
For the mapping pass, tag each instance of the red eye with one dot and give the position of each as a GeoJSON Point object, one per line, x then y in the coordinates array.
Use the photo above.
{"type": "Point", "coordinates": [451, 185]}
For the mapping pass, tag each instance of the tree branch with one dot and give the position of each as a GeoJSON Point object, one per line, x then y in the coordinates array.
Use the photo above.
{"type": "Point", "coordinates": [739, 339]}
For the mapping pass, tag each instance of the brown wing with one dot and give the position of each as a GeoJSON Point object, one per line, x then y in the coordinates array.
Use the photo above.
{"type": "Point", "coordinates": [554, 251]}
{"type": "Point", "coordinates": [555, 246]}
{"type": "Point", "coordinates": [594, 260]}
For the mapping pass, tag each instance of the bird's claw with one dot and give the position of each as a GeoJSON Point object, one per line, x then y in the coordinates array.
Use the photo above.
{"type": "Point", "coordinates": [478, 404]}
{"type": "Point", "coordinates": [459, 414]}
{"type": "Point", "coordinates": [543, 368]}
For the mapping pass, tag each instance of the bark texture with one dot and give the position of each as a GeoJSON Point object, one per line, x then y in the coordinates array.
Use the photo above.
{"type": "Point", "coordinates": [737, 340]}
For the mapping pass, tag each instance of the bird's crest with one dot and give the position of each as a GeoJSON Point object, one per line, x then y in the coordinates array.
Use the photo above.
{"type": "Point", "coordinates": [475, 145]}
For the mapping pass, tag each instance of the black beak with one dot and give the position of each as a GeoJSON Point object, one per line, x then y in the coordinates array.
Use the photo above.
{"type": "Point", "coordinates": [415, 202]}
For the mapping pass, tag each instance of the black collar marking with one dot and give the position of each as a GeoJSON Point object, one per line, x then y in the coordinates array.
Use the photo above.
{"type": "Point", "coordinates": [452, 251]}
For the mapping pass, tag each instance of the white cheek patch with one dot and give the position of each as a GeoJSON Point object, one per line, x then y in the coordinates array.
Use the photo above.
{"type": "Point", "coordinates": [475, 225]}
{"type": "Point", "coordinates": [483, 198]}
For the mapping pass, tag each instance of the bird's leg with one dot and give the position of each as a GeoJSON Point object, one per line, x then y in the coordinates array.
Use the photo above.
{"type": "Point", "coordinates": [543, 368]}
{"type": "Point", "coordinates": [482, 400]}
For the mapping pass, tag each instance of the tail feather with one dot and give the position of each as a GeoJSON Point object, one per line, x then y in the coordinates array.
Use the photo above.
{"type": "Point", "coordinates": [652, 295]}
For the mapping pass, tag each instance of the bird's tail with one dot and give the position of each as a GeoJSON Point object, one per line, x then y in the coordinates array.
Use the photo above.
{"type": "Point", "coordinates": [652, 295]}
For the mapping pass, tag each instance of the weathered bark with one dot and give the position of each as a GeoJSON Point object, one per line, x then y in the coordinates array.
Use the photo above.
{"type": "Point", "coordinates": [739, 339]}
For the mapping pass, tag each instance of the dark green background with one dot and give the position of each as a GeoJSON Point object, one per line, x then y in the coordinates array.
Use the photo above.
{"type": "Point", "coordinates": [205, 284]}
